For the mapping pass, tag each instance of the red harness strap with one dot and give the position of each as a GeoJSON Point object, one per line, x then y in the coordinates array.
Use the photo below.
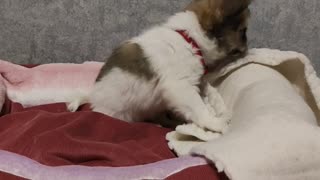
{"type": "Point", "coordinates": [195, 46]}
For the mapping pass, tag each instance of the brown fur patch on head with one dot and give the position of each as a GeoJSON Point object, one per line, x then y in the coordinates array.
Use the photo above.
{"type": "Point", "coordinates": [234, 7]}
{"type": "Point", "coordinates": [231, 33]}
{"type": "Point", "coordinates": [207, 11]}
{"type": "Point", "coordinates": [226, 22]}
{"type": "Point", "coordinates": [213, 12]}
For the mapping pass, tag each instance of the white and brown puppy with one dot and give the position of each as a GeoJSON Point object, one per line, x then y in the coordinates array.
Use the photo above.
{"type": "Point", "coordinates": [162, 68]}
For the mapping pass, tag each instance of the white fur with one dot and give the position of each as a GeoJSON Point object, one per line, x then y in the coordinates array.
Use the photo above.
{"type": "Point", "coordinates": [178, 73]}
{"type": "Point", "coordinates": [125, 96]}
{"type": "Point", "coordinates": [39, 96]}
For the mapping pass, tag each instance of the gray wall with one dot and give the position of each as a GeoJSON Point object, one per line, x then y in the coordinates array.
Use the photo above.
{"type": "Point", "coordinates": [42, 31]}
{"type": "Point", "coordinates": [287, 25]}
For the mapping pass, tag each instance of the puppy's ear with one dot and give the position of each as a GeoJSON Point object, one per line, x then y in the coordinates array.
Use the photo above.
{"type": "Point", "coordinates": [233, 7]}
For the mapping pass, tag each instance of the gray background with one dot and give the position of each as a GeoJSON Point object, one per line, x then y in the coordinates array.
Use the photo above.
{"type": "Point", "coordinates": [43, 31]}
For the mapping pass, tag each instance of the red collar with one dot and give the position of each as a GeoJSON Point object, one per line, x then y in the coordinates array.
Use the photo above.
{"type": "Point", "coordinates": [195, 45]}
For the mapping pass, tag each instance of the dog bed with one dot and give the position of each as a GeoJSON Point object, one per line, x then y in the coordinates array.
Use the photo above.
{"type": "Point", "coordinates": [273, 132]}
{"type": "Point", "coordinates": [41, 140]}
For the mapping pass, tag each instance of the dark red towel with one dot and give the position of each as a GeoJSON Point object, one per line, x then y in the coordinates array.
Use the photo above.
{"type": "Point", "coordinates": [52, 136]}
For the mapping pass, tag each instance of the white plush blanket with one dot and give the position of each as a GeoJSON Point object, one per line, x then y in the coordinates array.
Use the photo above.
{"type": "Point", "coordinates": [274, 97]}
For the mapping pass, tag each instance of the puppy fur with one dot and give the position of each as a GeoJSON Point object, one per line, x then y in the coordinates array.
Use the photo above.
{"type": "Point", "coordinates": [158, 70]}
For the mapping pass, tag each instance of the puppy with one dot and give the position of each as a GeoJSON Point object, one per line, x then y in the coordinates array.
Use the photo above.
{"type": "Point", "coordinates": [162, 68]}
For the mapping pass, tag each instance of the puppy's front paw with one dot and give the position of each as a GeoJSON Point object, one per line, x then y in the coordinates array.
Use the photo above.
{"type": "Point", "coordinates": [216, 124]}
{"type": "Point", "coordinates": [214, 101]}
{"type": "Point", "coordinates": [218, 120]}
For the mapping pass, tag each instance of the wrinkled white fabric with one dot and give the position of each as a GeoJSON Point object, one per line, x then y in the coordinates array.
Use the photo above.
{"type": "Point", "coordinates": [274, 97]}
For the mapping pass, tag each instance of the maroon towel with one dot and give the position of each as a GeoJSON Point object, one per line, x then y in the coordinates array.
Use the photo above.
{"type": "Point", "coordinates": [53, 136]}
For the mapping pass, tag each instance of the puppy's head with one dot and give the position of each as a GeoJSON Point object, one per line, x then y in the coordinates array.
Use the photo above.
{"type": "Point", "coordinates": [225, 22]}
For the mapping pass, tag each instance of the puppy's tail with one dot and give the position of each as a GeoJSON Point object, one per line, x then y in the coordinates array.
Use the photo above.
{"type": "Point", "coordinates": [77, 101]}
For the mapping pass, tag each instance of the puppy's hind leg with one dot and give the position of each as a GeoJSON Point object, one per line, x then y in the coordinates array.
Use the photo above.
{"type": "Point", "coordinates": [76, 101]}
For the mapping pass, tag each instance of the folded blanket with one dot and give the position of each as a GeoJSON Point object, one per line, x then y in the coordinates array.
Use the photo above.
{"type": "Point", "coordinates": [47, 83]}
{"type": "Point", "coordinates": [275, 98]}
